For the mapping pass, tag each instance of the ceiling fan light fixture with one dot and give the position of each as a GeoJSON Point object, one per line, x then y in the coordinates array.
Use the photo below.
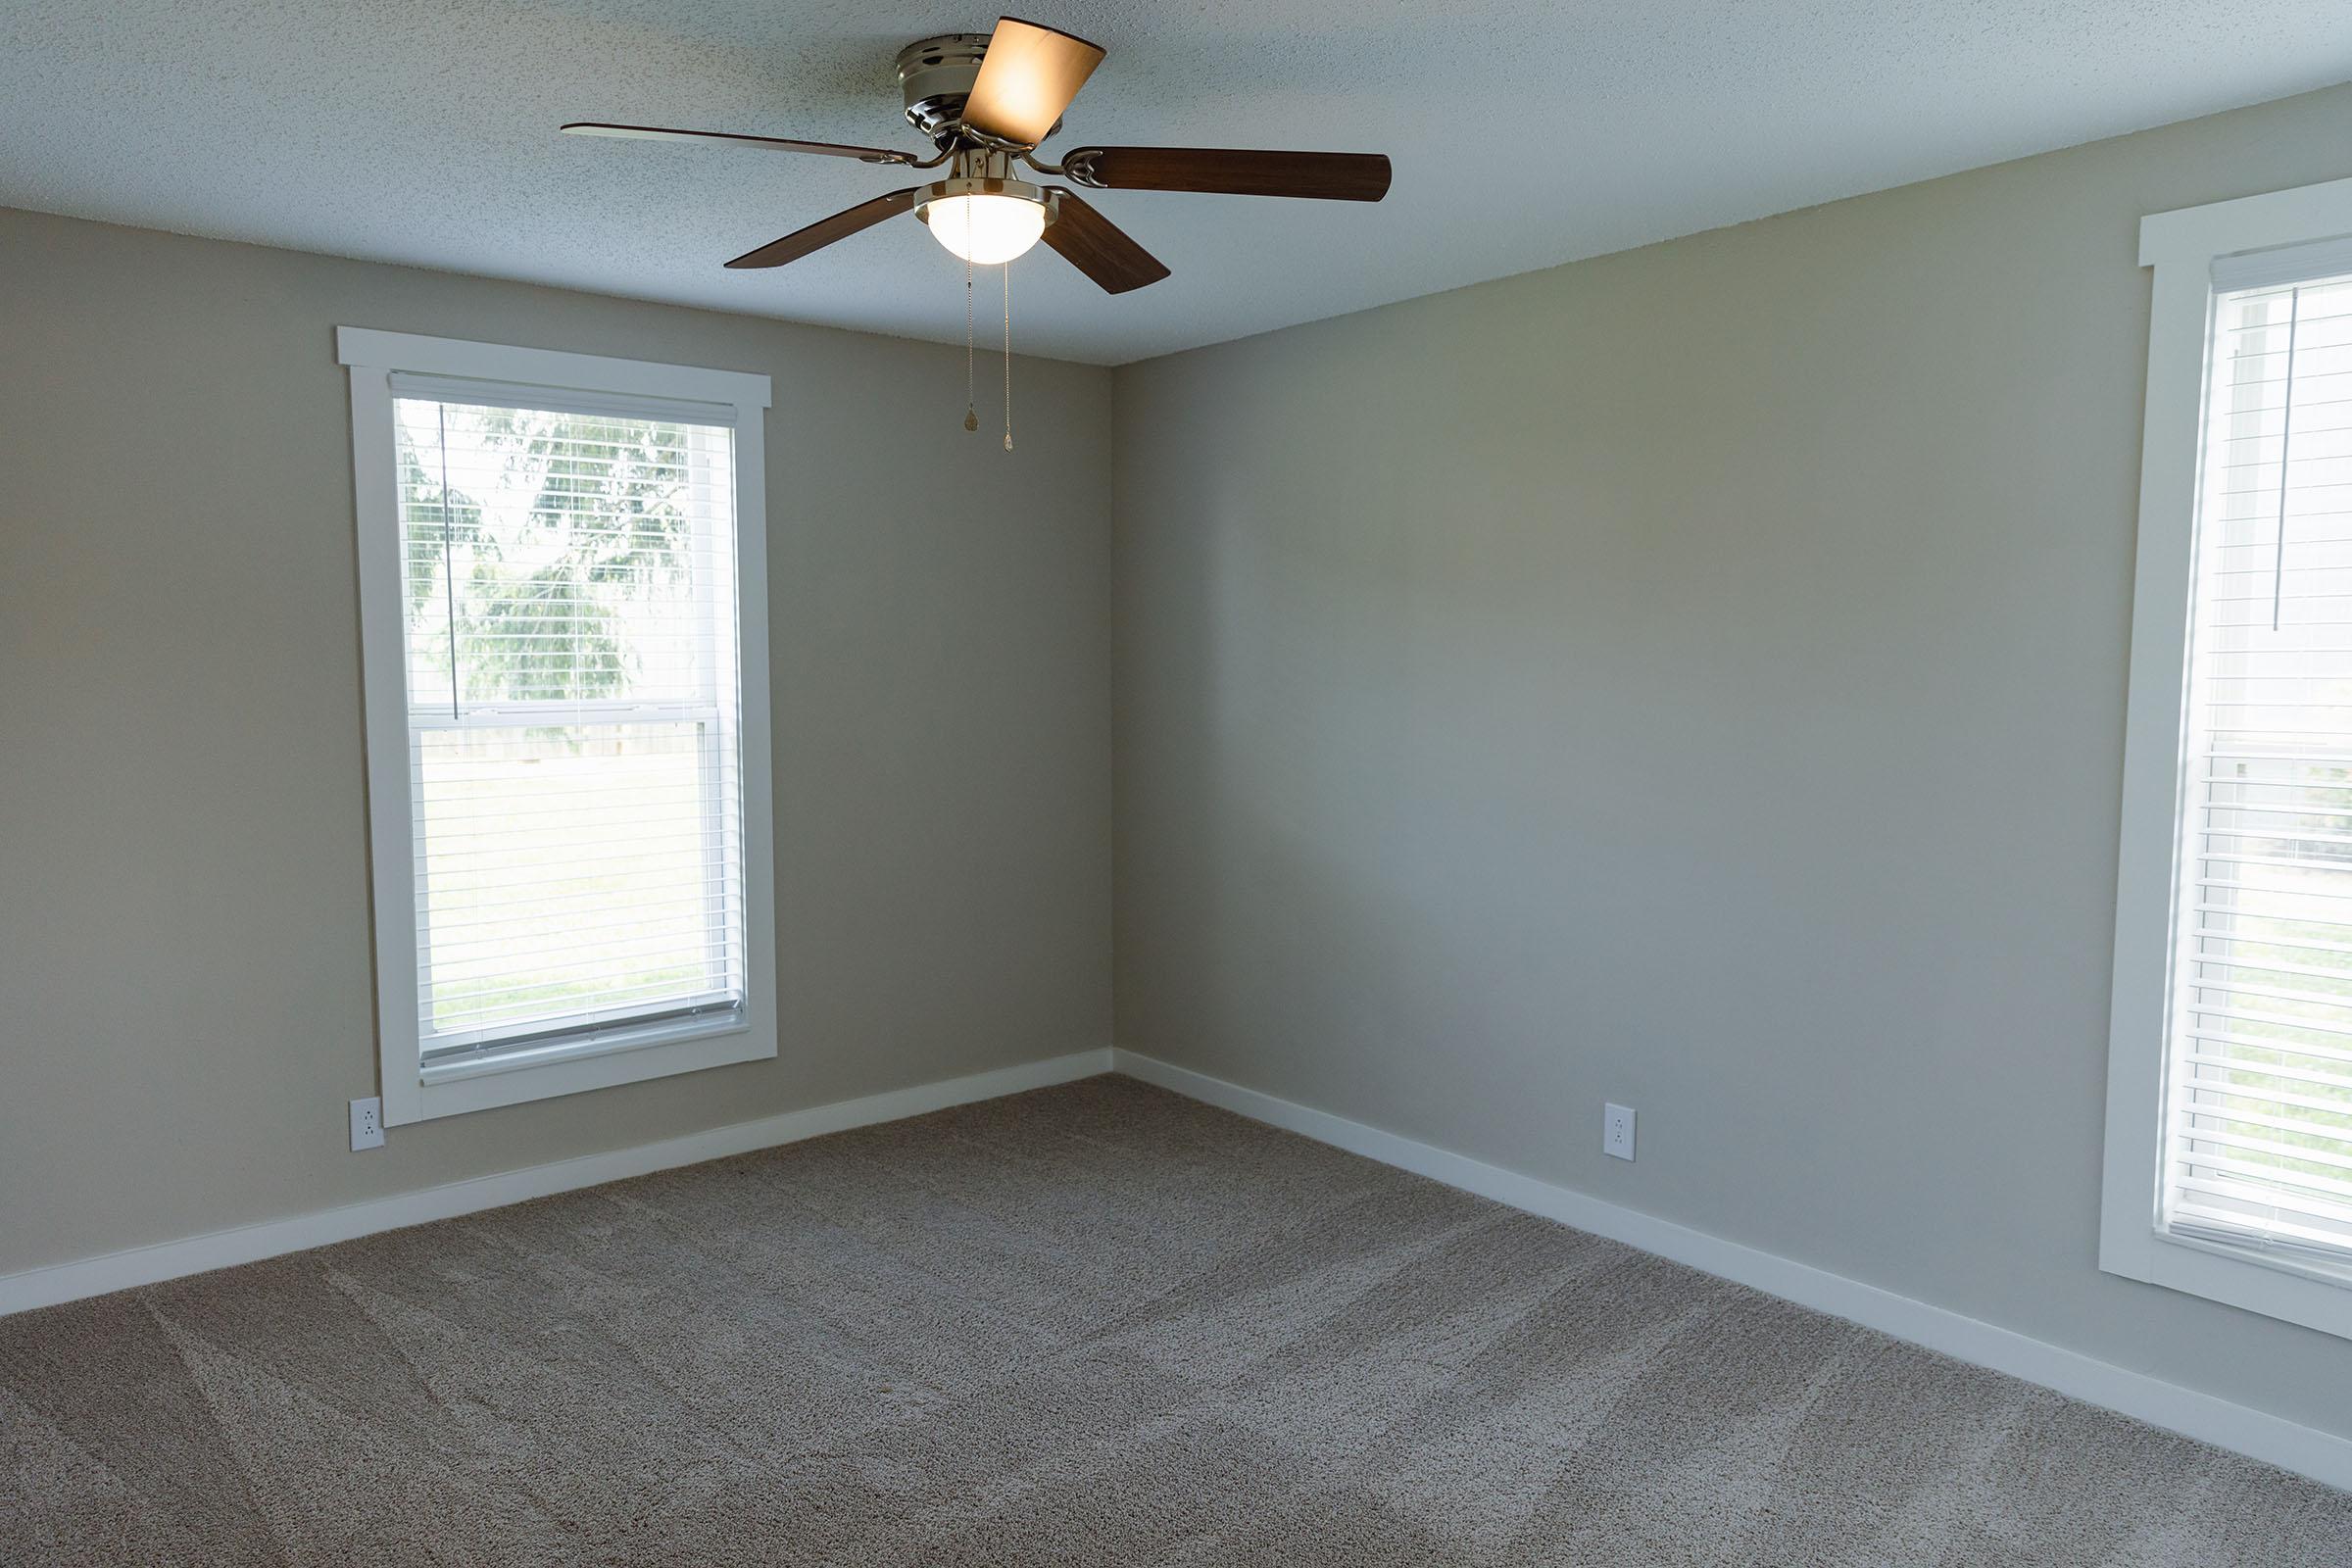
{"type": "Point", "coordinates": [985, 228]}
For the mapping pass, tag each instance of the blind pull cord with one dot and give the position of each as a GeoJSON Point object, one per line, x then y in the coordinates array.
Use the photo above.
{"type": "Point", "coordinates": [2286, 436]}
{"type": "Point", "coordinates": [449, 560]}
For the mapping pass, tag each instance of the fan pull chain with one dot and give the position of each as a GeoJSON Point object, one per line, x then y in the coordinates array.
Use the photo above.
{"type": "Point", "coordinates": [971, 412]}
{"type": "Point", "coordinates": [1009, 356]}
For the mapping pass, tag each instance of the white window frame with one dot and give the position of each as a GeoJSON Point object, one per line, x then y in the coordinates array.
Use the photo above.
{"type": "Point", "coordinates": [2182, 247]}
{"type": "Point", "coordinates": [411, 1091]}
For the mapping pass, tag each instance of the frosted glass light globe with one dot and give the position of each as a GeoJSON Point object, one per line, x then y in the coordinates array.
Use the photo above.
{"type": "Point", "coordinates": [985, 229]}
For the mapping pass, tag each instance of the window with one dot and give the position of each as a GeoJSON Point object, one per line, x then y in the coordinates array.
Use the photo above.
{"type": "Point", "coordinates": [2260, 1134]}
{"type": "Point", "coordinates": [2230, 1126]}
{"type": "Point", "coordinates": [562, 633]}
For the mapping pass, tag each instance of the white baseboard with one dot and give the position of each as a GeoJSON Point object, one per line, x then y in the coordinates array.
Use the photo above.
{"type": "Point", "coordinates": [146, 1266]}
{"type": "Point", "coordinates": [2320, 1455]}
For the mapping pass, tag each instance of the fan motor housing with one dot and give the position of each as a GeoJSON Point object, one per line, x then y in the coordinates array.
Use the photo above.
{"type": "Point", "coordinates": [936, 77]}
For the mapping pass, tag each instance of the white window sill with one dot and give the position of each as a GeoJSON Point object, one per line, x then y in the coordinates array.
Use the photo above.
{"type": "Point", "coordinates": [2281, 1286]}
{"type": "Point", "coordinates": [579, 1043]}
{"type": "Point", "coordinates": [621, 1057]}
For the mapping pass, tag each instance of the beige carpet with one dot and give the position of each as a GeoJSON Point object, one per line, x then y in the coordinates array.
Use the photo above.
{"type": "Point", "coordinates": [1095, 1324]}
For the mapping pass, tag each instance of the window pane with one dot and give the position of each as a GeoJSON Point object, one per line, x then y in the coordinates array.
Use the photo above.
{"type": "Point", "coordinates": [571, 869]}
{"type": "Point", "coordinates": [2259, 1135]}
{"type": "Point", "coordinates": [572, 720]}
{"type": "Point", "coordinates": [557, 556]}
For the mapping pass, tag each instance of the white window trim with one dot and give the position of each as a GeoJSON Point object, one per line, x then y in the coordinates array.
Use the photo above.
{"type": "Point", "coordinates": [2182, 247]}
{"type": "Point", "coordinates": [628, 1054]}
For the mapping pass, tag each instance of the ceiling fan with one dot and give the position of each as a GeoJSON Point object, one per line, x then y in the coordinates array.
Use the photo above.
{"type": "Point", "coordinates": [987, 101]}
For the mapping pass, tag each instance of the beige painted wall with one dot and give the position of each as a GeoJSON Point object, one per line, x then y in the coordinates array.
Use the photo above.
{"type": "Point", "coordinates": [1692, 677]}
{"type": "Point", "coordinates": [184, 949]}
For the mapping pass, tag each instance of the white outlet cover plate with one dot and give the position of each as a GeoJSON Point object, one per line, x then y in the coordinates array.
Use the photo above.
{"type": "Point", "coordinates": [1617, 1131]}
{"type": "Point", "coordinates": [367, 1123]}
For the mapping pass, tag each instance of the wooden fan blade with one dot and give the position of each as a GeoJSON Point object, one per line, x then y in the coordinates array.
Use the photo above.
{"type": "Point", "coordinates": [825, 231]}
{"type": "Point", "coordinates": [1028, 77]}
{"type": "Point", "coordinates": [1099, 247]}
{"type": "Point", "coordinates": [1233, 171]}
{"type": "Point", "coordinates": [827, 149]}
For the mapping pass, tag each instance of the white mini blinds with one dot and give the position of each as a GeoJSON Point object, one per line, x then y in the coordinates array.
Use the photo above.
{"type": "Point", "coordinates": [563, 630]}
{"type": "Point", "coordinates": [573, 721]}
{"type": "Point", "coordinates": [2257, 1145]}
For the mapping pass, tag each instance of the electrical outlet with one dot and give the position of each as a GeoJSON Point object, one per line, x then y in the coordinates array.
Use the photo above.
{"type": "Point", "coordinates": [1617, 1131]}
{"type": "Point", "coordinates": [367, 1124]}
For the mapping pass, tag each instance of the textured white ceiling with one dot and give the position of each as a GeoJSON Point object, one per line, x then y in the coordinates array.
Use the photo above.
{"type": "Point", "coordinates": [1525, 133]}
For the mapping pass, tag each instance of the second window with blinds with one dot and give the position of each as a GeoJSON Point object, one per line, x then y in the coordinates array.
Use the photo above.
{"type": "Point", "coordinates": [564, 641]}
{"type": "Point", "coordinates": [2228, 1165]}
{"type": "Point", "coordinates": [2259, 1141]}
